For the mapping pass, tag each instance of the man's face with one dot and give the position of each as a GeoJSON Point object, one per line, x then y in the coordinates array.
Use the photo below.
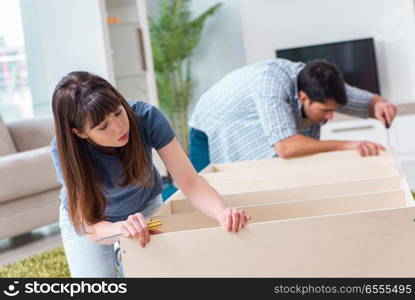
{"type": "Point", "coordinates": [317, 112]}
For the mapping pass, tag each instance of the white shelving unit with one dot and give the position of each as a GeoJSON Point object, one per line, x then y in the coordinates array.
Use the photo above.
{"type": "Point", "coordinates": [130, 53]}
{"type": "Point", "coordinates": [130, 49]}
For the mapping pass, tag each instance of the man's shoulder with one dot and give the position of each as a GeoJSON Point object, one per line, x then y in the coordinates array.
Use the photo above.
{"type": "Point", "coordinates": [281, 67]}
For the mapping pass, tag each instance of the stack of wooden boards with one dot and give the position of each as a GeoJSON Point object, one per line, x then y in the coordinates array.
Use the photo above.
{"type": "Point", "coordinates": [331, 214]}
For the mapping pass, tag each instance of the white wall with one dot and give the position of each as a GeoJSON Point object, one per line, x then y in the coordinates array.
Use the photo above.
{"type": "Point", "coordinates": [271, 24]}
{"type": "Point", "coordinates": [221, 49]}
{"type": "Point", "coordinates": [62, 36]}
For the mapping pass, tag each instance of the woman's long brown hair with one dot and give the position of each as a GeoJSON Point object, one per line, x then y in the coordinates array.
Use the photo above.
{"type": "Point", "coordinates": [80, 97]}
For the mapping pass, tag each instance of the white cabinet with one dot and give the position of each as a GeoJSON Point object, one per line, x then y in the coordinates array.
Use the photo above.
{"type": "Point", "coordinates": [403, 130]}
{"type": "Point", "coordinates": [403, 134]}
{"type": "Point", "coordinates": [359, 129]}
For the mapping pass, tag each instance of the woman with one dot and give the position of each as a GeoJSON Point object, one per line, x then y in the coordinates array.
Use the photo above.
{"type": "Point", "coordinates": [102, 154]}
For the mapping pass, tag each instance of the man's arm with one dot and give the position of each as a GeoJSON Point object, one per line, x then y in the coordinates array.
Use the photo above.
{"type": "Point", "coordinates": [299, 145]}
{"type": "Point", "coordinates": [358, 102]}
{"type": "Point", "coordinates": [364, 104]}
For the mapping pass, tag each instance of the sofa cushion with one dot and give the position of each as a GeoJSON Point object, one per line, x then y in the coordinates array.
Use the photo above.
{"type": "Point", "coordinates": [25, 173]}
{"type": "Point", "coordinates": [31, 133]}
{"type": "Point", "coordinates": [6, 142]}
{"type": "Point", "coordinates": [25, 214]}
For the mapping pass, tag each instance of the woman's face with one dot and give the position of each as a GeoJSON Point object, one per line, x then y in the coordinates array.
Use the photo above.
{"type": "Point", "coordinates": [111, 132]}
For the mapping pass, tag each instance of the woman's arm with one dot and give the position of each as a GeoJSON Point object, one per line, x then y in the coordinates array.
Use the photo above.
{"type": "Point", "coordinates": [134, 226]}
{"type": "Point", "coordinates": [197, 190]}
{"type": "Point", "coordinates": [200, 193]}
{"type": "Point", "coordinates": [103, 229]}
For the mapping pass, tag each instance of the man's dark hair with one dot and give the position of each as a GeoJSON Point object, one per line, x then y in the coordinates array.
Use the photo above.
{"type": "Point", "coordinates": [322, 81]}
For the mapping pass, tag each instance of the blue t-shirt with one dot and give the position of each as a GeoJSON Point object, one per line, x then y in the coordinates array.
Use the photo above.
{"type": "Point", "coordinates": [156, 133]}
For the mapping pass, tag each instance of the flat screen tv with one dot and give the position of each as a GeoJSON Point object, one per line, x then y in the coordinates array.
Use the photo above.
{"type": "Point", "coordinates": [355, 58]}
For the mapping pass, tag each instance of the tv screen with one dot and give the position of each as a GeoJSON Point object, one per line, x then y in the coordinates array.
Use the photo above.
{"type": "Point", "coordinates": [356, 59]}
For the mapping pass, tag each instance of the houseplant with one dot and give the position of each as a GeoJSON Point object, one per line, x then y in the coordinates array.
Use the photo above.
{"type": "Point", "coordinates": [174, 35]}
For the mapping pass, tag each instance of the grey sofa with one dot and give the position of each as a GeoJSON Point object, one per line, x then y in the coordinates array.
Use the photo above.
{"type": "Point", "coordinates": [29, 192]}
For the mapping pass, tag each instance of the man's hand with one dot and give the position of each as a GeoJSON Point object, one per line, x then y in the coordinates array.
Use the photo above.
{"type": "Point", "coordinates": [365, 148]}
{"type": "Point", "coordinates": [384, 111]}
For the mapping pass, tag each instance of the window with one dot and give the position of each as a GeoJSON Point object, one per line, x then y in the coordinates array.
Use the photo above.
{"type": "Point", "coordinates": [15, 95]}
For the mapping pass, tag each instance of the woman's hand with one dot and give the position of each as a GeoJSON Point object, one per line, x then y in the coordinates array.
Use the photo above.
{"type": "Point", "coordinates": [233, 219]}
{"type": "Point", "coordinates": [136, 226]}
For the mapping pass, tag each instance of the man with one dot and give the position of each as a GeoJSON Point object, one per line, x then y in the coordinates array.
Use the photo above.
{"type": "Point", "coordinates": [276, 108]}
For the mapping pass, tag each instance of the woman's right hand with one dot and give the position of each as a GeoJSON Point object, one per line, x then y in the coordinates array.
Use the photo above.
{"type": "Point", "coordinates": [233, 219]}
{"type": "Point", "coordinates": [136, 226]}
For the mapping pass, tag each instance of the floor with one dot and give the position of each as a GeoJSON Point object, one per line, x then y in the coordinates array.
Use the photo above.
{"type": "Point", "coordinates": [28, 244]}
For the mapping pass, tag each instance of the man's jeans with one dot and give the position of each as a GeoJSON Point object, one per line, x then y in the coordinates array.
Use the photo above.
{"type": "Point", "coordinates": [198, 149]}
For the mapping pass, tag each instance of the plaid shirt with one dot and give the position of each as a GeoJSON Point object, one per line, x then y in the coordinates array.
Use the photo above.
{"type": "Point", "coordinates": [256, 106]}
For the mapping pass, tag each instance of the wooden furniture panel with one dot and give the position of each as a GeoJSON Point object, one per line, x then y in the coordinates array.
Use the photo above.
{"type": "Point", "coordinates": [321, 158]}
{"type": "Point", "coordinates": [299, 171]}
{"type": "Point", "coordinates": [295, 194]}
{"type": "Point", "coordinates": [325, 215]}
{"type": "Point", "coordinates": [306, 178]}
{"type": "Point", "coordinates": [289, 210]}
{"type": "Point", "coordinates": [376, 243]}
